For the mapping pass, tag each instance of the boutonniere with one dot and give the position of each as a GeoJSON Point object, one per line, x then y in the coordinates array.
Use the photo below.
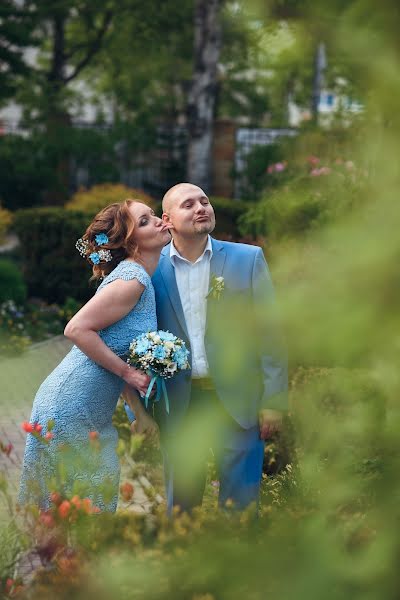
{"type": "Point", "coordinates": [217, 287]}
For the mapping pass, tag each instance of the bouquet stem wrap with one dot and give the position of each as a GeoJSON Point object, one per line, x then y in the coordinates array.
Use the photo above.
{"type": "Point", "coordinates": [161, 388]}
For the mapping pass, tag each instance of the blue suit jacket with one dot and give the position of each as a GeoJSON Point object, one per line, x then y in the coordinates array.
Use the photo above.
{"type": "Point", "coordinates": [243, 342]}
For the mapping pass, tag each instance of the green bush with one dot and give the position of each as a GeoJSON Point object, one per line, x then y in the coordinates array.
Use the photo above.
{"type": "Point", "coordinates": [53, 268]}
{"type": "Point", "coordinates": [27, 168]}
{"type": "Point", "coordinates": [97, 197]}
{"type": "Point", "coordinates": [255, 176]}
{"type": "Point", "coordinates": [5, 222]}
{"type": "Point", "coordinates": [319, 192]}
{"type": "Point", "coordinates": [228, 213]}
{"type": "Point", "coordinates": [12, 285]}
{"type": "Point", "coordinates": [35, 321]}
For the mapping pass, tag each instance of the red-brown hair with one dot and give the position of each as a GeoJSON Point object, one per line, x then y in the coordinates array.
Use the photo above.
{"type": "Point", "coordinates": [117, 223]}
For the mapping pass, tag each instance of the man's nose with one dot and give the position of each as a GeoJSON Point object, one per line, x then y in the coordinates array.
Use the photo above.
{"type": "Point", "coordinates": [200, 207]}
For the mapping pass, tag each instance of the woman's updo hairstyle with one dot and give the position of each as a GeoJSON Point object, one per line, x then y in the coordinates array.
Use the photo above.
{"type": "Point", "coordinates": [114, 229]}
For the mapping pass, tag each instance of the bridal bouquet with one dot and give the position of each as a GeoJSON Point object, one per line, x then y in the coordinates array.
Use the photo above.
{"type": "Point", "coordinates": [160, 354]}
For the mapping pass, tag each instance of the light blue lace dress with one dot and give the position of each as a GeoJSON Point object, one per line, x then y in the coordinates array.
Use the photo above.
{"type": "Point", "coordinates": [80, 396]}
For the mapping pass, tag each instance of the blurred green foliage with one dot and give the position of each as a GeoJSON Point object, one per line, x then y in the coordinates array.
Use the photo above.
{"type": "Point", "coordinates": [5, 222]}
{"type": "Point", "coordinates": [53, 268]}
{"type": "Point", "coordinates": [12, 285]}
{"type": "Point", "coordinates": [99, 196]}
{"type": "Point", "coordinates": [32, 321]}
{"type": "Point", "coordinates": [255, 174]}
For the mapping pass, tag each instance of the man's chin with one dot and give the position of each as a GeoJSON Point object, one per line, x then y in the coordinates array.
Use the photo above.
{"type": "Point", "coordinates": [203, 228]}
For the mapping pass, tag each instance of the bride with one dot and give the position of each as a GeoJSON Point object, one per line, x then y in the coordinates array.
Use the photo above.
{"type": "Point", "coordinates": [73, 407]}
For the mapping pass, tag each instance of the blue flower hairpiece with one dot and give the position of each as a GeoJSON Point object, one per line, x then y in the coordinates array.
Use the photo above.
{"type": "Point", "coordinates": [101, 255]}
{"type": "Point", "coordinates": [95, 257]}
{"type": "Point", "coordinates": [101, 238]}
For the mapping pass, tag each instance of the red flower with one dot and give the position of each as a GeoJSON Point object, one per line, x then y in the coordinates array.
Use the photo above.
{"type": "Point", "coordinates": [55, 498]}
{"type": "Point", "coordinates": [93, 435]}
{"type": "Point", "coordinates": [28, 427]}
{"type": "Point", "coordinates": [49, 436]}
{"type": "Point", "coordinates": [126, 490]}
{"type": "Point", "coordinates": [37, 427]}
{"type": "Point", "coordinates": [47, 519]}
{"type": "Point", "coordinates": [64, 509]}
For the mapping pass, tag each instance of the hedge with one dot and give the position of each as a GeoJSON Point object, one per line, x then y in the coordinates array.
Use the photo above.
{"type": "Point", "coordinates": [53, 268]}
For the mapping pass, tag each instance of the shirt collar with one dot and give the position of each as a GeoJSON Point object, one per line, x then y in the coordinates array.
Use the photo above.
{"type": "Point", "coordinates": [174, 254]}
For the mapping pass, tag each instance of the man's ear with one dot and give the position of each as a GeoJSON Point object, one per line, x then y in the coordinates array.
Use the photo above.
{"type": "Point", "coordinates": [166, 218]}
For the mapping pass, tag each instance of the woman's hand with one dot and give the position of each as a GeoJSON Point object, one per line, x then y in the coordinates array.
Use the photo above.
{"type": "Point", "coordinates": [137, 379]}
{"type": "Point", "coordinates": [145, 425]}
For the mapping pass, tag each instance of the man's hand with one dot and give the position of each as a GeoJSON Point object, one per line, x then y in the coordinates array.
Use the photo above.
{"type": "Point", "coordinates": [270, 422]}
{"type": "Point", "coordinates": [145, 425]}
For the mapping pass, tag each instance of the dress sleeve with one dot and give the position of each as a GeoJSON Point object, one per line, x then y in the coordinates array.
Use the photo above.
{"type": "Point", "coordinates": [127, 271]}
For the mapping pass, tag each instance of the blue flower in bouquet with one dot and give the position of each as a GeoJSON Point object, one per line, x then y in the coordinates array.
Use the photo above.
{"type": "Point", "coordinates": [159, 353]}
{"type": "Point", "coordinates": [180, 357]}
{"type": "Point", "coordinates": [166, 336]}
{"type": "Point", "coordinates": [142, 345]}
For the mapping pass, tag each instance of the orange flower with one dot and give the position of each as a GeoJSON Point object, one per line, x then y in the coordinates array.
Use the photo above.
{"type": "Point", "coordinates": [76, 501]}
{"type": "Point", "coordinates": [87, 505]}
{"type": "Point", "coordinates": [93, 435]}
{"type": "Point", "coordinates": [28, 427]}
{"type": "Point", "coordinates": [64, 509]}
{"type": "Point", "coordinates": [126, 490]}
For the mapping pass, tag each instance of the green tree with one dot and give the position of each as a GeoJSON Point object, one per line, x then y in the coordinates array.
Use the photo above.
{"type": "Point", "coordinates": [68, 34]}
{"type": "Point", "coordinates": [15, 36]}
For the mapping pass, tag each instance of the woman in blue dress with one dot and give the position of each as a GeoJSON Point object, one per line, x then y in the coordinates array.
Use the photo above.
{"type": "Point", "coordinates": [78, 398]}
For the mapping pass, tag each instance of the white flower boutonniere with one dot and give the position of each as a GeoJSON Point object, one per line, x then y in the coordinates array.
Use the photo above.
{"type": "Point", "coordinates": [217, 287]}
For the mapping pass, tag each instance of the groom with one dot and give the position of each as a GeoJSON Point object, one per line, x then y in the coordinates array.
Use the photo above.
{"type": "Point", "coordinates": [235, 394]}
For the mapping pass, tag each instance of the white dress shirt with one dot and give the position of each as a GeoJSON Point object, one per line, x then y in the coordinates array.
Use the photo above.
{"type": "Point", "coordinates": [192, 280]}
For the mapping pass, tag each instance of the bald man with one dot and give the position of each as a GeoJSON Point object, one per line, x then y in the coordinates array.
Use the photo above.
{"type": "Point", "coordinates": [235, 393]}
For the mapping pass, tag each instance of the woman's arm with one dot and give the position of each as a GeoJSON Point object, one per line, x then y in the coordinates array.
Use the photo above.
{"type": "Point", "coordinates": [110, 305]}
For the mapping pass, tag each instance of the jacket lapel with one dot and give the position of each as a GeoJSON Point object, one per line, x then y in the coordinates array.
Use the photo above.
{"type": "Point", "coordinates": [216, 266]}
{"type": "Point", "coordinates": [168, 275]}
{"type": "Point", "coordinates": [217, 259]}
